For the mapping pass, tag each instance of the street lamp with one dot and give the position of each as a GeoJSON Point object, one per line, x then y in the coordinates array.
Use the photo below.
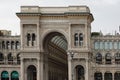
{"type": "Point", "coordinates": [72, 55]}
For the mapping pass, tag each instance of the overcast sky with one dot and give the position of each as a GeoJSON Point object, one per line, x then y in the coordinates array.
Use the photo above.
{"type": "Point", "coordinates": [106, 13]}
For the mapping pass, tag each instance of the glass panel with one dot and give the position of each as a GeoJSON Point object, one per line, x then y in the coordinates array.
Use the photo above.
{"type": "Point", "coordinates": [115, 45]}
{"type": "Point", "coordinates": [101, 45]}
{"type": "Point", "coordinates": [76, 39]}
{"type": "Point", "coordinates": [110, 45]}
{"type": "Point", "coordinates": [96, 45]}
{"type": "Point", "coordinates": [119, 45]}
{"type": "Point", "coordinates": [106, 45]}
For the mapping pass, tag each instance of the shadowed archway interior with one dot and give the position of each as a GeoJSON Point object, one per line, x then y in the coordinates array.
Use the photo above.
{"type": "Point", "coordinates": [31, 72]}
{"type": "Point", "coordinates": [55, 45]}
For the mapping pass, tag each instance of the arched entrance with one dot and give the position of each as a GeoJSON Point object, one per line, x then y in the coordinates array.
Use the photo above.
{"type": "Point", "coordinates": [80, 72]}
{"type": "Point", "coordinates": [14, 75]}
{"type": "Point", "coordinates": [55, 45]}
{"type": "Point", "coordinates": [98, 76]}
{"type": "Point", "coordinates": [108, 76]}
{"type": "Point", "coordinates": [117, 76]}
{"type": "Point", "coordinates": [4, 75]}
{"type": "Point", "coordinates": [31, 73]}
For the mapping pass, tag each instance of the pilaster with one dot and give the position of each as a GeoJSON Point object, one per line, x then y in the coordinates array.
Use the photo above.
{"type": "Point", "coordinates": [69, 66]}
{"type": "Point", "coordinates": [86, 70]}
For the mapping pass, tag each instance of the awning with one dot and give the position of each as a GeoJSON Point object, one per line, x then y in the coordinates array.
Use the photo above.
{"type": "Point", "coordinates": [5, 74]}
{"type": "Point", "coordinates": [15, 74]}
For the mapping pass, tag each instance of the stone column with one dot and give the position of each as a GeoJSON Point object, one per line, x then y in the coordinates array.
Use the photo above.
{"type": "Point", "coordinates": [21, 37]}
{"type": "Point", "coordinates": [22, 70]}
{"type": "Point", "coordinates": [102, 75]}
{"type": "Point", "coordinates": [9, 75]}
{"type": "Point", "coordinates": [69, 66]}
{"type": "Point", "coordinates": [43, 66]}
{"type": "Point", "coordinates": [41, 70]}
{"type": "Point", "coordinates": [86, 71]}
{"type": "Point", "coordinates": [38, 37]}
{"type": "Point", "coordinates": [86, 37]}
{"type": "Point", "coordinates": [112, 76]}
{"type": "Point", "coordinates": [38, 72]}
{"type": "Point", "coordinates": [103, 60]}
{"type": "Point", "coordinates": [113, 60]}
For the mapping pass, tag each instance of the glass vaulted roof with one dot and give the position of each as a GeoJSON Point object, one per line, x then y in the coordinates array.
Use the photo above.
{"type": "Point", "coordinates": [60, 41]}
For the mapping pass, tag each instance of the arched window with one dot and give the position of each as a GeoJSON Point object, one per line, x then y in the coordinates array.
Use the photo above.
{"type": "Point", "coordinates": [12, 45]}
{"type": "Point", "coordinates": [7, 45]}
{"type": "Point", "coordinates": [33, 39]}
{"type": "Point", "coordinates": [115, 45]}
{"type": "Point", "coordinates": [18, 58]}
{"type": "Point", "coordinates": [108, 76]}
{"type": "Point", "coordinates": [117, 76]}
{"type": "Point", "coordinates": [98, 76]}
{"type": "Point", "coordinates": [1, 57]}
{"type": "Point", "coordinates": [28, 39]}
{"type": "Point", "coordinates": [76, 39]}
{"type": "Point", "coordinates": [31, 73]}
{"type": "Point", "coordinates": [117, 58]}
{"type": "Point", "coordinates": [81, 39]}
{"type": "Point", "coordinates": [10, 58]}
{"type": "Point", "coordinates": [97, 45]}
{"type": "Point", "coordinates": [111, 45]}
{"type": "Point", "coordinates": [14, 75]}
{"type": "Point", "coordinates": [4, 75]}
{"type": "Point", "coordinates": [119, 45]}
{"type": "Point", "coordinates": [80, 73]}
{"type": "Point", "coordinates": [108, 58]}
{"type": "Point", "coordinates": [107, 45]}
{"type": "Point", "coordinates": [101, 45]}
{"type": "Point", "coordinates": [3, 45]}
{"type": "Point", "coordinates": [17, 45]}
{"type": "Point", "coordinates": [98, 58]}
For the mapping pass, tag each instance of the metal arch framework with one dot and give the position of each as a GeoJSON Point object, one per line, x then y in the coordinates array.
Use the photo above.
{"type": "Point", "coordinates": [60, 41]}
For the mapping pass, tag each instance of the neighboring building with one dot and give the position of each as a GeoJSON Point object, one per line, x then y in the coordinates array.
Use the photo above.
{"type": "Point", "coordinates": [9, 57]}
{"type": "Point", "coordinates": [5, 33]}
{"type": "Point", "coordinates": [56, 43]}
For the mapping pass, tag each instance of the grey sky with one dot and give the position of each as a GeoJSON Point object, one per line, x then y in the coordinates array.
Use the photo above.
{"type": "Point", "coordinates": [106, 12]}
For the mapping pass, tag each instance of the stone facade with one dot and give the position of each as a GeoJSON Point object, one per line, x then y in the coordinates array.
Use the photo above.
{"type": "Point", "coordinates": [56, 44]}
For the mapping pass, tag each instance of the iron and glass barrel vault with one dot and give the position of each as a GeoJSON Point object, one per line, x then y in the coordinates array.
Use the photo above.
{"type": "Point", "coordinates": [56, 44]}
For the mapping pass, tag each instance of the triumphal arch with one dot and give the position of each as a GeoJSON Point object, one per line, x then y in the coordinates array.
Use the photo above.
{"type": "Point", "coordinates": [55, 43]}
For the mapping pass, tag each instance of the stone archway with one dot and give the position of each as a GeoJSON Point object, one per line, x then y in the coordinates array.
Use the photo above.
{"type": "Point", "coordinates": [31, 73]}
{"type": "Point", "coordinates": [55, 45]}
{"type": "Point", "coordinates": [98, 76]}
{"type": "Point", "coordinates": [117, 76]}
{"type": "Point", "coordinates": [108, 76]}
{"type": "Point", "coordinates": [80, 72]}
